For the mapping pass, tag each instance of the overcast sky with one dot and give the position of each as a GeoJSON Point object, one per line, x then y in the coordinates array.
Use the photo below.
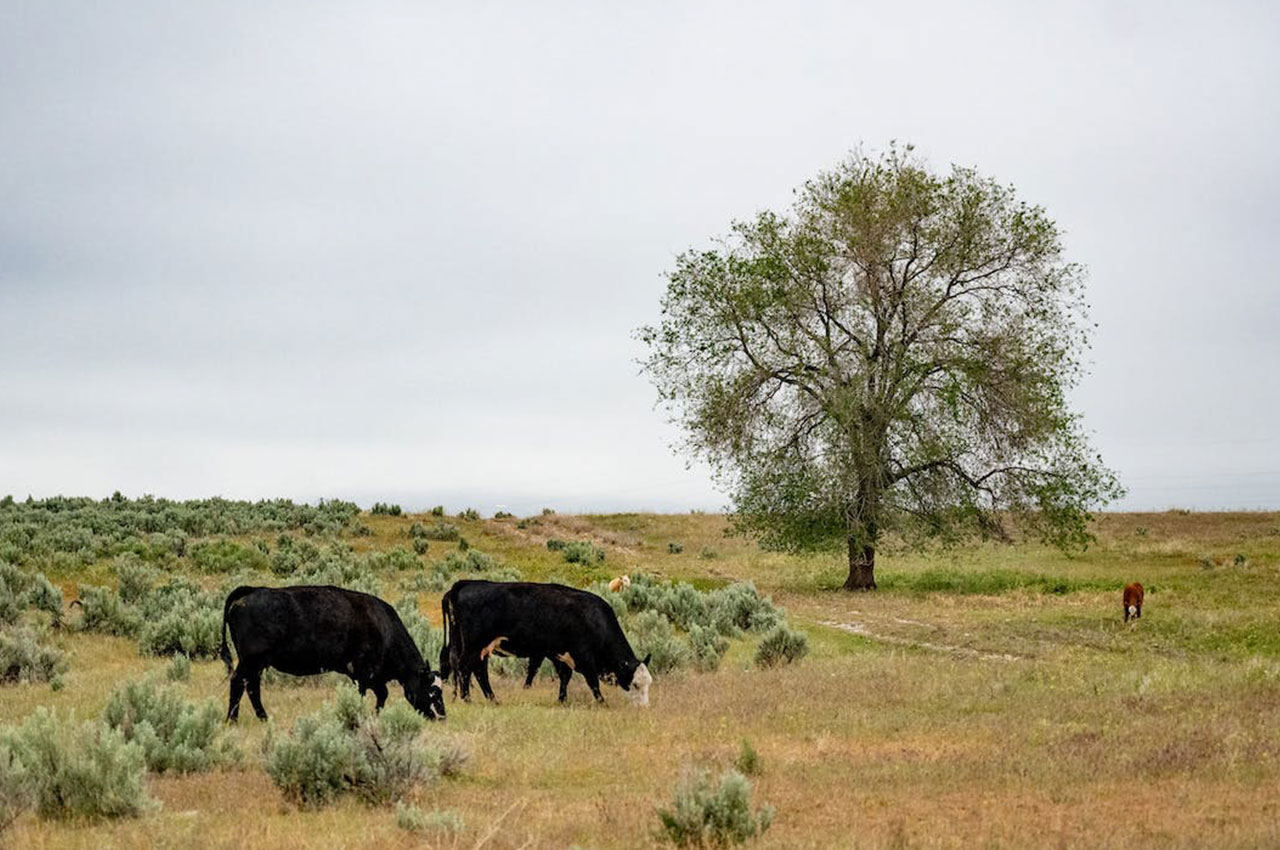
{"type": "Point", "coordinates": [398, 250]}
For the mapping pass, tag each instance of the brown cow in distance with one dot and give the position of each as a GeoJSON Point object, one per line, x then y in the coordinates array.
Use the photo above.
{"type": "Point", "coordinates": [1132, 601]}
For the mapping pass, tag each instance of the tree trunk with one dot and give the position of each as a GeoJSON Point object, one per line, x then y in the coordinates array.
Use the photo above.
{"type": "Point", "coordinates": [862, 567]}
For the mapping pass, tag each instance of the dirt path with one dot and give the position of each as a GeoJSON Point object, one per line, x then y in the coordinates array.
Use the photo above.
{"type": "Point", "coordinates": [863, 630]}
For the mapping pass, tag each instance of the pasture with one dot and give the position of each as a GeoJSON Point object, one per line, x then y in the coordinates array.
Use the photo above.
{"type": "Point", "coordinates": [989, 696]}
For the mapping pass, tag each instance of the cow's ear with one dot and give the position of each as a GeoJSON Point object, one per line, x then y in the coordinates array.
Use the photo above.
{"type": "Point", "coordinates": [646, 659]}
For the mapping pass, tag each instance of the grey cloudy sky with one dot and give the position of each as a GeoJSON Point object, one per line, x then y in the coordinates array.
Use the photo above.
{"type": "Point", "coordinates": [397, 250]}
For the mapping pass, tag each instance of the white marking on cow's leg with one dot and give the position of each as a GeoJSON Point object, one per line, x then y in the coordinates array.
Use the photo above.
{"type": "Point", "coordinates": [567, 660]}
{"type": "Point", "coordinates": [640, 683]}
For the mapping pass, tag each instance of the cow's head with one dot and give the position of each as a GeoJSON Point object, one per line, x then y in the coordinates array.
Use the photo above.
{"type": "Point", "coordinates": [425, 692]}
{"type": "Point", "coordinates": [635, 678]}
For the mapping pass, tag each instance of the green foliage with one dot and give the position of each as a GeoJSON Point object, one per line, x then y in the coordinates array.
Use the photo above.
{"type": "Point", "coordinates": [347, 749]}
{"type": "Point", "coordinates": [226, 556]}
{"type": "Point", "coordinates": [383, 509]}
{"type": "Point", "coordinates": [503, 515]}
{"type": "Point", "coordinates": [441, 531]}
{"type": "Point", "coordinates": [720, 816]}
{"type": "Point", "coordinates": [392, 560]}
{"type": "Point", "coordinates": [176, 616]}
{"type": "Point", "coordinates": [652, 633]}
{"type": "Point", "coordinates": [555, 544]}
{"type": "Point", "coordinates": [582, 552]}
{"type": "Point", "coordinates": [428, 640]}
{"type": "Point", "coordinates": [674, 548]}
{"type": "Point", "coordinates": [438, 510]}
{"type": "Point", "coordinates": [706, 553]}
{"type": "Point", "coordinates": [412, 819]}
{"type": "Point", "coordinates": [470, 514]}
{"type": "Point", "coordinates": [706, 647]}
{"type": "Point", "coordinates": [781, 646]}
{"type": "Point", "coordinates": [828, 432]}
{"type": "Point", "coordinates": [420, 546]}
{"type": "Point", "coordinates": [23, 658]}
{"type": "Point", "coordinates": [84, 771]}
{"type": "Point", "coordinates": [179, 669]}
{"type": "Point", "coordinates": [989, 582]}
{"type": "Point", "coordinates": [469, 563]}
{"type": "Point", "coordinates": [175, 735]}
{"type": "Point", "coordinates": [17, 791]}
{"type": "Point", "coordinates": [105, 612]}
{"type": "Point", "coordinates": [748, 761]}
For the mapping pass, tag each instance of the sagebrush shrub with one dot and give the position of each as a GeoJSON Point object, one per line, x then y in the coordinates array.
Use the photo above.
{"type": "Point", "coordinates": [470, 514]}
{"type": "Point", "coordinates": [781, 646]}
{"type": "Point", "coordinates": [393, 559]}
{"type": "Point", "coordinates": [179, 669]}
{"type": "Point", "coordinates": [720, 816]}
{"type": "Point", "coordinates": [43, 595]}
{"type": "Point", "coordinates": [438, 510]}
{"type": "Point", "coordinates": [79, 770]}
{"type": "Point", "coordinates": [582, 552]}
{"type": "Point", "coordinates": [190, 626]}
{"type": "Point", "coordinates": [429, 640]}
{"type": "Point", "coordinates": [17, 793]}
{"type": "Point", "coordinates": [748, 760]}
{"type": "Point", "coordinates": [347, 749]}
{"type": "Point", "coordinates": [413, 819]}
{"type": "Point", "coordinates": [226, 556]}
{"type": "Point", "coordinates": [706, 647]}
{"type": "Point", "coordinates": [555, 544]}
{"type": "Point", "coordinates": [104, 612]}
{"type": "Point", "coordinates": [650, 632]}
{"type": "Point", "coordinates": [174, 734]}
{"type": "Point", "coordinates": [134, 579]}
{"type": "Point", "coordinates": [23, 658]}
{"type": "Point", "coordinates": [442, 531]}
{"type": "Point", "coordinates": [420, 546]}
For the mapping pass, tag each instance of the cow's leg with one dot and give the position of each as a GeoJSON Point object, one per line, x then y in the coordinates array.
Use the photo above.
{"type": "Point", "coordinates": [380, 693]}
{"type": "Point", "coordinates": [254, 686]}
{"type": "Point", "coordinates": [482, 678]}
{"type": "Point", "coordinates": [565, 672]}
{"type": "Point", "coordinates": [593, 680]}
{"type": "Point", "coordinates": [1126, 613]}
{"type": "Point", "coordinates": [237, 691]}
{"type": "Point", "coordinates": [463, 676]}
{"type": "Point", "coordinates": [535, 661]}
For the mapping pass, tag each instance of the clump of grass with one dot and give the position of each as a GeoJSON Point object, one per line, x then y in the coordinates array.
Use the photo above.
{"type": "Point", "coordinates": [719, 816]}
{"type": "Point", "coordinates": [179, 669]}
{"type": "Point", "coordinates": [781, 646]}
{"type": "Point", "coordinates": [987, 582]}
{"type": "Point", "coordinates": [175, 735]}
{"type": "Point", "coordinates": [674, 548]}
{"type": "Point", "coordinates": [413, 819]}
{"type": "Point", "coordinates": [748, 760]}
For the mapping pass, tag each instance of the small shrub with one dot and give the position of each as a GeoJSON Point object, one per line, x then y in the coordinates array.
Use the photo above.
{"type": "Point", "coordinates": [79, 770]}
{"type": "Point", "coordinates": [707, 553]}
{"type": "Point", "coordinates": [347, 749]}
{"type": "Point", "coordinates": [741, 607]}
{"type": "Point", "coordinates": [174, 734]}
{"type": "Point", "coordinates": [16, 790]}
{"type": "Point", "coordinates": [412, 819]}
{"type": "Point", "coordinates": [104, 612]}
{"type": "Point", "coordinates": [420, 546]}
{"type": "Point", "coordinates": [1142, 531]}
{"type": "Point", "coordinates": [179, 669]}
{"type": "Point", "coordinates": [383, 509]}
{"type": "Point", "coordinates": [781, 646]}
{"type": "Point", "coordinates": [1240, 560]}
{"type": "Point", "coordinates": [748, 760]}
{"type": "Point", "coordinates": [392, 560]}
{"type": "Point", "coordinates": [470, 514]}
{"type": "Point", "coordinates": [548, 512]}
{"type": "Point", "coordinates": [582, 552]}
{"type": "Point", "coordinates": [191, 626]}
{"type": "Point", "coordinates": [713, 817]}
{"type": "Point", "coordinates": [555, 544]}
{"type": "Point", "coordinates": [44, 596]}
{"type": "Point", "coordinates": [650, 632]}
{"type": "Point", "coordinates": [674, 548]}
{"type": "Point", "coordinates": [134, 579]}
{"type": "Point", "coordinates": [24, 659]}
{"type": "Point", "coordinates": [503, 515]}
{"type": "Point", "coordinates": [463, 545]}
{"type": "Point", "coordinates": [226, 556]}
{"type": "Point", "coordinates": [442, 531]}
{"type": "Point", "coordinates": [438, 510]}
{"type": "Point", "coordinates": [706, 647]}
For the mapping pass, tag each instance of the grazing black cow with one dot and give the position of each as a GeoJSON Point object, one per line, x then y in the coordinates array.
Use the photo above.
{"type": "Point", "coordinates": [577, 630]}
{"type": "Point", "coordinates": [308, 630]}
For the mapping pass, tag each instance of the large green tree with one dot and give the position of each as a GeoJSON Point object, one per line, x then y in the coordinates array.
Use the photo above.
{"type": "Point", "coordinates": [891, 357]}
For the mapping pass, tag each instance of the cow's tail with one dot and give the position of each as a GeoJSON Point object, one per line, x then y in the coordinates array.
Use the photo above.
{"type": "Point", "coordinates": [452, 640]}
{"type": "Point", "coordinates": [225, 651]}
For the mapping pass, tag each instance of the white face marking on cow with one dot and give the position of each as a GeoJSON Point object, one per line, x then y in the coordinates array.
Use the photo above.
{"type": "Point", "coordinates": [1133, 609]}
{"type": "Point", "coordinates": [567, 659]}
{"type": "Point", "coordinates": [640, 683]}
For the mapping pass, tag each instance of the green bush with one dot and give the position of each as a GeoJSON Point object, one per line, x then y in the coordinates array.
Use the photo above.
{"type": "Point", "coordinates": [438, 510]}
{"type": "Point", "coordinates": [650, 632]}
{"type": "Point", "coordinates": [393, 560]}
{"type": "Point", "coordinates": [707, 647]}
{"type": "Point", "coordinates": [104, 612]}
{"type": "Point", "coordinates": [555, 544]}
{"type": "Point", "coordinates": [781, 646]}
{"type": "Point", "coordinates": [227, 556]}
{"type": "Point", "coordinates": [706, 553]}
{"type": "Point", "coordinates": [674, 548]}
{"type": "Point", "coordinates": [347, 749]}
{"type": "Point", "coordinates": [582, 552]}
{"type": "Point", "coordinates": [174, 734]}
{"type": "Point", "coordinates": [442, 531]}
{"type": "Point", "coordinates": [470, 514]}
{"type": "Point", "coordinates": [420, 546]}
{"type": "Point", "coordinates": [42, 595]}
{"type": "Point", "coordinates": [704, 816]}
{"type": "Point", "coordinates": [383, 509]}
{"type": "Point", "coordinates": [190, 625]}
{"type": "Point", "coordinates": [17, 793]}
{"type": "Point", "coordinates": [134, 579]}
{"type": "Point", "coordinates": [428, 640]}
{"type": "Point", "coordinates": [84, 771]}
{"type": "Point", "coordinates": [748, 760]}
{"type": "Point", "coordinates": [503, 515]}
{"type": "Point", "coordinates": [741, 607]}
{"type": "Point", "coordinates": [24, 659]}
{"type": "Point", "coordinates": [179, 669]}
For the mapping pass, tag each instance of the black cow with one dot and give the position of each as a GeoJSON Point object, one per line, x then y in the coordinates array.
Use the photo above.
{"type": "Point", "coordinates": [577, 630]}
{"type": "Point", "coordinates": [308, 630]}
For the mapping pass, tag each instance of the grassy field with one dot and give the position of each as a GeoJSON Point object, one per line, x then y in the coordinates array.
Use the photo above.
{"type": "Point", "coordinates": [984, 697]}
